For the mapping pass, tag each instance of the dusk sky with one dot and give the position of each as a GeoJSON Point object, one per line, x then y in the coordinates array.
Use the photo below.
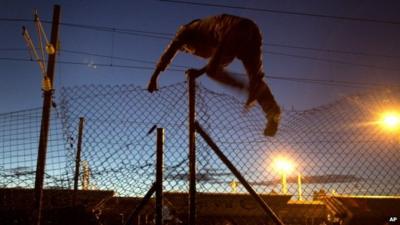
{"type": "Point", "coordinates": [310, 47]}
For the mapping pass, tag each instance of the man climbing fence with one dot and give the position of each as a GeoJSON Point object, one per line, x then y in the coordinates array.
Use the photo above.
{"type": "Point", "coordinates": [220, 39]}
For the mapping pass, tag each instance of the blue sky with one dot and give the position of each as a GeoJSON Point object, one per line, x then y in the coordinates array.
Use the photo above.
{"type": "Point", "coordinates": [374, 47]}
{"type": "Point", "coordinates": [20, 80]}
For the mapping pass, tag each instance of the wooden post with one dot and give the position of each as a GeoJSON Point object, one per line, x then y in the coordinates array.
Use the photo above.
{"type": "Point", "coordinates": [46, 110]}
{"type": "Point", "coordinates": [192, 150]}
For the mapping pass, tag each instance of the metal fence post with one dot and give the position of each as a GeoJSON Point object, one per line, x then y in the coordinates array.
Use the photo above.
{"type": "Point", "coordinates": [192, 150]}
{"type": "Point", "coordinates": [238, 175]}
{"type": "Point", "coordinates": [78, 159]}
{"type": "Point", "coordinates": [159, 176]}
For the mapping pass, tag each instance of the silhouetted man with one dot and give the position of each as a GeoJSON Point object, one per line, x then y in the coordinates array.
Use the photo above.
{"type": "Point", "coordinates": [220, 39]}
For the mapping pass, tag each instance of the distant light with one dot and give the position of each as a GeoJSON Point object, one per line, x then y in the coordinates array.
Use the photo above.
{"type": "Point", "coordinates": [234, 185]}
{"type": "Point", "coordinates": [283, 165]}
{"type": "Point", "coordinates": [391, 120]}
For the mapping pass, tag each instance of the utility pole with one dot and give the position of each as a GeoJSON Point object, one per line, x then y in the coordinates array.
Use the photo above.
{"type": "Point", "coordinates": [45, 124]}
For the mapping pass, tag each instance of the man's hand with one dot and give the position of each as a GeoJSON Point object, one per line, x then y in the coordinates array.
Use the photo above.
{"type": "Point", "coordinates": [152, 86]}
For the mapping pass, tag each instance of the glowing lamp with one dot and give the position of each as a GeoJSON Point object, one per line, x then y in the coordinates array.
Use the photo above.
{"type": "Point", "coordinates": [283, 165]}
{"type": "Point", "coordinates": [391, 121]}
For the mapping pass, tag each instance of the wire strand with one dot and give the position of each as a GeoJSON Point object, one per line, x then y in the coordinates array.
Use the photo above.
{"type": "Point", "coordinates": [344, 18]}
{"type": "Point", "coordinates": [349, 84]}
{"type": "Point", "coordinates": [168, 36]}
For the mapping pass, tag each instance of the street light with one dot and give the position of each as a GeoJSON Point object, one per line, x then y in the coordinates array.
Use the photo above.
{"type": "Point", "coordinates": [390, 120]}
{"type": "Point", "coordinates": [284, 166]}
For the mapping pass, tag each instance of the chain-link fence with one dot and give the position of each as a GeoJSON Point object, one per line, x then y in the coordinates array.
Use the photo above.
{"type": "Point", "coordinates": [336, 150]}
{"type": "Point", "coordinates": [19, 141]}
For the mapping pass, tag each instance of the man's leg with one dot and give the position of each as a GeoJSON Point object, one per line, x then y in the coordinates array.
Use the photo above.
{"type": "Point", "coordinates": [259, 90]}
{"type": "Point", "coordinates": [222, 57]}
{"type": "Point", "coordinates": [252, 62]}
{"type": "Point", "coordinates": [224, 77]}
{"type": "Point", "coordinates": [270, 108]}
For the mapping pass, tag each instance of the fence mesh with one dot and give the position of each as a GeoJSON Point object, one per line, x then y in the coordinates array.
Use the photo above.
{"type": "Point", "coordinates": [340, 148]}
{"type": "Point", "coordinates": [19, 141]}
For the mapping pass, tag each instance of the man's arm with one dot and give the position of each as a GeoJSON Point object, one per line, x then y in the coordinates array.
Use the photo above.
{"type": "Point", "coordinates": [165, 60]}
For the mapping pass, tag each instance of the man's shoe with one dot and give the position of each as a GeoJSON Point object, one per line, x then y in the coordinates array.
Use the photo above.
{"type": "Point", "coordinates": [273, 119]}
